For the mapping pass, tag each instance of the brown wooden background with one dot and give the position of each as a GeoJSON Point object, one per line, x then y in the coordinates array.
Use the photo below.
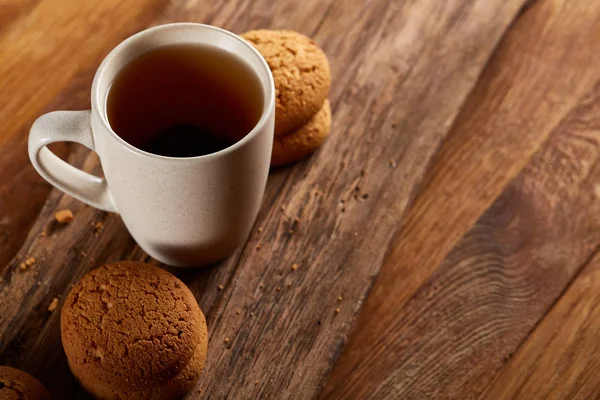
{"type": "Point", "coordinates": [472, 126]}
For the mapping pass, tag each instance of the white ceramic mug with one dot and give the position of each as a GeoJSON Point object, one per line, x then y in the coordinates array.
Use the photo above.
{"type": "Point", "coordinates": [181, 211]}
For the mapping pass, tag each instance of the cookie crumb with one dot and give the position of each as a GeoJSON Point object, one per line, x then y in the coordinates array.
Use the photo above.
{"type": "Point", "coordinates": [252, 314]}
{"type": "Point", "coordinates": [393, 164]}
{"type": "Point", "coordinates": [278, 288]}
{"type": "Point", "coordinates": [64, 216]}
{"type": "Point", "coordinates": [294, 267]}
{"type": "Point", "coordinates": [39, 283]}
{"type": "Point", "coordinates": [258, 246]}
{"type": "Point", "coordinates": [99, 226]}
{"type": "Point", "coordinates": [102, 288]}
{"type": "Point", "coordinates": [282, 208]}
{"type": "Point", "coordinates": [256, 382]}
{"type": "Point", "coordinates": [296, 220]}
{"type": "Point", "coordinates": [262, 285]}
{"type": "Point", "coordinates": [260, 230]}
{"type": "Point", "coordinates": [291, 231]}
{"type": "Point", "coordinates": [237, 312]}
{"type": "Point", "coordinates": [339, 298]}
{"type": "Point", "coordinates": [53, 305]}
{"type": "Point", "coordinates": [27, 263]}
{"type": "Point", "coordinates": [43, 234]}
{"type": "Point", "coordinates": [337, 310]}
{"type": "Point", "coordinates": [226, 340]}
{"type": "Point", "coordinates": [220, 287]}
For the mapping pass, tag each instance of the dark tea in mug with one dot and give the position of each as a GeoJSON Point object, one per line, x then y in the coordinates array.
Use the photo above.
{"type": "Point", "coordinates": [184, 100]}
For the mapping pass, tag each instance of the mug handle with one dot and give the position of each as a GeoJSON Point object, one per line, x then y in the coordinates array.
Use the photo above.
{"type": "Point", "coordinates": [67, 126]}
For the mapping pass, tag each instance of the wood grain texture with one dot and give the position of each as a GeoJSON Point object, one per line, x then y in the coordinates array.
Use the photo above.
{"type": "Point", "coordinates": [543, 65]}
{"type": "Point", "coordinates": [49, 51]}
{"type": "Point", "coordinates": [560, 359]}
{"type": "Point", "coordinates": [22, 190]}
{"type": "Point", "coordinates": [383, 88]}
{"type": "Point", "coordinates": [52, 35]}
{"type": "Point", "coordinates": [455, 333]}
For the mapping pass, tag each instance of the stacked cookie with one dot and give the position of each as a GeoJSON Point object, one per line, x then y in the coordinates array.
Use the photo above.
{"type": "Point", "coordinates": [133, 331]}
{"type": "Point", "coordinates": [302, 78]}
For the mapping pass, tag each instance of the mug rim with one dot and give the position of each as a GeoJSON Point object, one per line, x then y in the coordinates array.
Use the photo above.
{"type": "Point", "coordinates": [264, 118]}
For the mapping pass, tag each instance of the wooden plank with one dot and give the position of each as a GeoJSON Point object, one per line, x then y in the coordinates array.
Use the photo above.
{"type": "Point", "coordinates": [453, 336]}
{"type": "Point", "coordinates": [383, 85]}
{"type": "Point", "coordinates": [48, 48]}
{"type": "Point", "coordinates": [560, 359]}
{"type": "Point", "coordinates": [42, 52]}
{"type": "Point", "coordinates": [30, 65]}
{"type": "Point", "coordinates": [13, 10]}
{"type": "Point", "coordinates": [23, 191]}
{"type": "Point", "coordinates": [543, 65]}
{"type": "Point", "coordinates": [40, 45]}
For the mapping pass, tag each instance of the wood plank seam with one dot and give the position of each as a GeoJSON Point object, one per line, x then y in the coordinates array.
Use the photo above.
{"type": "Point", "coordinates": [540, 144]}
{"type": "Point", "coordinates": [570, 369]}
{"type": "Point", "coordinates": [524, 193]}
{"type": "Point", "coordinates": [417, 190]}
{"type": "Point", "coordinates": [531, 332]}
{"type": "Point", "coordinates": [525, 7]}
{"type": "Point", "coordinates": [369, 113]}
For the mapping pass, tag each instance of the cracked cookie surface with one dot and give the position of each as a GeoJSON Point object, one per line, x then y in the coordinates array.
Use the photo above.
{"type": "Point", "coordinates": [131, 326]}
{"type": "Point", "coordinates": [300, 71]}
{"type": "Point", "coordinates": [18, 385]}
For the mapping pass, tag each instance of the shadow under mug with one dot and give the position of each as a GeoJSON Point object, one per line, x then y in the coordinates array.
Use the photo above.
{"type": "Point", "coordinates": [181, 211]}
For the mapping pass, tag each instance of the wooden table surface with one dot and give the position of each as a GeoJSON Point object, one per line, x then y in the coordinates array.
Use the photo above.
{"type": "Point", "coordinates": [473, 127]}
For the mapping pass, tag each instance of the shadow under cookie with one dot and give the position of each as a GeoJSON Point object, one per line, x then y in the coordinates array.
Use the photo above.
{"type": "Point", "coordinates": [175, 388]}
